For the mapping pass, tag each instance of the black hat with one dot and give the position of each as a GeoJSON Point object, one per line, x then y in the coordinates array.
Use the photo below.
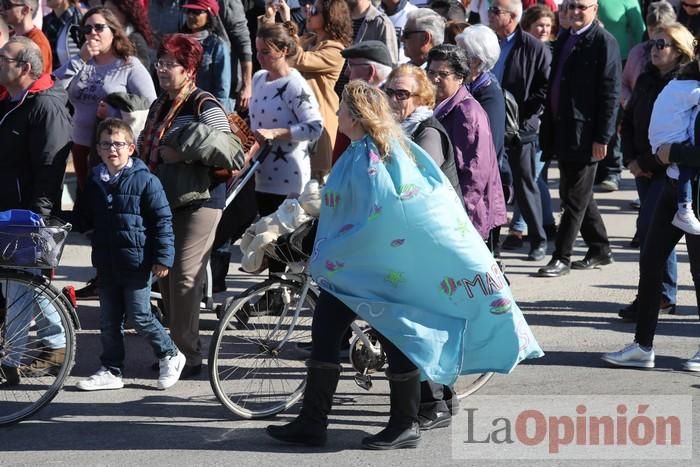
{"type": "Point", "coordinates": [375, 51]}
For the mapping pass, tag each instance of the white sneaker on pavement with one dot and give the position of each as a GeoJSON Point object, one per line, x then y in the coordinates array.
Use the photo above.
{"type": "Point", "coordinates": [170, 370]}
{"type": "Point", "coordinates": [694, 363]}
{"type": "Point", "coordinates": [103, 379]}
{"type": "Point", "coordinates": [686, 221]}
{"type": "Point", "coordinates": [631, 355]}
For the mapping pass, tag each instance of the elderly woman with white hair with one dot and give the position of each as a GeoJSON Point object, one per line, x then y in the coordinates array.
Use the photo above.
{"type": "Point", "coordinates": [481, 46]}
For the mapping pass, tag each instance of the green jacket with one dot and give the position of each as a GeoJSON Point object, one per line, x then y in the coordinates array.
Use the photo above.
{"type": "Point", "coordinates": [623, 19]}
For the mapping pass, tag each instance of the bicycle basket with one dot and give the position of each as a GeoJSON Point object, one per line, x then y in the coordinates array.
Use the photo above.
{"type": "Point", "coordinates": [29, 246]}
{"type": "Point", "coordinates": [293, 247]}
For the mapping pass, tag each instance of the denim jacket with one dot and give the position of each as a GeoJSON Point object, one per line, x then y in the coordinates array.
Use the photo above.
{"type": "Point", "coordinates": [214, 73]}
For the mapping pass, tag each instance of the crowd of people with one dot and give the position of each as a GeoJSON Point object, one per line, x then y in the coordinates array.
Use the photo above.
{"type": "Point", "coordinates": [493, 92]}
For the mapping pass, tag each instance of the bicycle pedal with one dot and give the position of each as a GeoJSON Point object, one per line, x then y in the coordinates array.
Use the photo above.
{"type": "Point", "coordinates": [364, 381]}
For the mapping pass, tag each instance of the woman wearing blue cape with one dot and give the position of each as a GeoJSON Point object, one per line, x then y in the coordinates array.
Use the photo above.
{"type": "Point", "coordinates": [395, 247]}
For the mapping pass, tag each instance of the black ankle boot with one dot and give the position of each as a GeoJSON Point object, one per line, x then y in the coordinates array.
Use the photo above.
{"type": "Point", "coordinates": [9, 376]}
{"type": "Point", "coordinates": [310, 426]}
{"type": "Point", "coordinates": [403, 430]}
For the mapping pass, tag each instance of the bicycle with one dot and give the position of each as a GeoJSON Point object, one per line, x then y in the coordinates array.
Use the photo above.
{"type": "Point", "coordinates": [32, 312]}
{"type": "Point", "coordinates": [256, 368]}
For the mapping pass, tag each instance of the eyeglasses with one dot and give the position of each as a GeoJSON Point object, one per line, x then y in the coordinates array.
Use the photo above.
{"type": "Point", "coordinates": [661, 44]}
{"type": "Point", "coordinates": [7, 5]}
{"type": "Point", "coordinates": [495, 11]}
{"type": "Point", "coordinates": [4, 59]}
{"type": "Point", "coordinates": [193, 12]}
{"type": "Point", "coordinates": [406, 34]}
{"type": "Point", "coordinates": [398, 94]}
{"type": "Point", "coordinates": [688, 5]}
{"type": "Point", "coordinates": [88, 28]}
{"type": "Point", "coordinates": [578, 6]}
{"type": "Point", "coordinates": [164, 65]}
{"type": "Point", "coordinates": [311, 10]}
{"type": "Point", "coordinates": [441, 74]}
{"type": "Point", "coordinates": [107, 145]}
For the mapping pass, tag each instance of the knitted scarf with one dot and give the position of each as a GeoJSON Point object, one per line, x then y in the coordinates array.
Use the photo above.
{"type": "Point", "coordinates": [154, 130]}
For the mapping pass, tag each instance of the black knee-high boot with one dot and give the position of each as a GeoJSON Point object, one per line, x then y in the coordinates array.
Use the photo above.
{"type": "Point", "coordinates": [311, 424]}
{"type": "Point", "coordinates": [403, 430]}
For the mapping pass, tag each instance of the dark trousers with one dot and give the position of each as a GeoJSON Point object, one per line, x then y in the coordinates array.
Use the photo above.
{"type": "Point", "coordinates": [332, 318]}
{"type": "Point", "coordinates": [611, 166]}
{"type": "Point", "coordinates": [268, 204]}
{"type": "Point", "coordinates": [580, 212]}
{"type": "Point", "coordinates": [522, 160]}
{"type": "Point", "coordinates": [649, 191]}
{"type": "Point", "coordinates": [661, 239]}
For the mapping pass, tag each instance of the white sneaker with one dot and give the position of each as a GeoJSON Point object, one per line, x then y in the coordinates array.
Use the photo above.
{"type": "Point", "coordinates": [632, 355]}
{"type": "Point", "coordinates": [694, 363]}
{"type": "Point", "coordinates": [170, 370]}
{"type": "Point", "coordinates": [103, 379]}
{"type": "Point", "coordinates": [686, 221]}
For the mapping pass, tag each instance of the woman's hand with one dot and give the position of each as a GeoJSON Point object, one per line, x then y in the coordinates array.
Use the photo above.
{"type": "Point", "coordinates": [159, 271]}
{"type": "Point", "coordinates": [663, 154]}
{"type": "Point", "coordinates": [285, 11]}
{"type": "Point", "coordinates": [89, 49]}
{"type": "Point", "coordinates": [267, 134]}
{"type": "Point", "coordinates": [169, 155]}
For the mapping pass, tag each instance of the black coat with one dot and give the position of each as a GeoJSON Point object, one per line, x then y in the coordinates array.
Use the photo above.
{"type": "Point", "coordinates": [588, 100]}
{"type": "Point", "coordinates": [36, 138]}
{"type": "Point", "coordinates": [448, 166]}
{"type": "Point", "coordinates": [636, 119]}
{"type": "Point", "coordinates": [526, 76]}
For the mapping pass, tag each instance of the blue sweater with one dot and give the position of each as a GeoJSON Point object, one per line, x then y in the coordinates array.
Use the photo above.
{"type": "Point", "coordinates": [132, 222]}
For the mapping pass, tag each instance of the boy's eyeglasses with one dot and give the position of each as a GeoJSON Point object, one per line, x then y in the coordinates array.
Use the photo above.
{"type": "Point", "coordinates": [107, 145]}
{"type": "Point", "coordinates": [661, 44]}
{"type": "Point", "coordinates": [88, 28]}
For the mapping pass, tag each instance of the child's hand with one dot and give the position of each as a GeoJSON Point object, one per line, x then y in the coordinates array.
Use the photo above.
{"type": "Point", "coordinates": [664, 154]}
{"type": "Point", "coordinates": [159, 271]}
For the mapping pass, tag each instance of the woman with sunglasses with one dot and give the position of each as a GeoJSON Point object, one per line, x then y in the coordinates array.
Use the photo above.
{"type": "Point", "coordinates": [672, 47]}
{"type": "Point", "coordinates": [187, 135]}
{"type": "Point", "coordinates": [106, 64]}
{"type": "Point", "coordinates": [318, 59]}
{"type": "Point", "coordinates": [214, 74]}
{"type": "Point", "coordinates": [467, 124]}
{"type": "Point", "coordinates": [660, 235]}
{"type": "Point", "coordinates": [134, 19]}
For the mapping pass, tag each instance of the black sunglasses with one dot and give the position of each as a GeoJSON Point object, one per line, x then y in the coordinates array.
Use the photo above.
{"type": "Point", "coordinates": [7, 5]}
{"type": "Point", "coordinates": [99, 28]}
{"type": "Point", "coordinates": [578, 6]}
{"type": "Point", "coordinates": [661, 44]}
{"type": "Point", "coordinates": [688, 5]}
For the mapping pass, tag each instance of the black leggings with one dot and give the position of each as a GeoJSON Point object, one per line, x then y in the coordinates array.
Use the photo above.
{"type": "Point", "coordinates": [332, 318]}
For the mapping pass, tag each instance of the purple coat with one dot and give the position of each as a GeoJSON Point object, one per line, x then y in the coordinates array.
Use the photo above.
{"type": "Point", "coordinates": [467, 125]}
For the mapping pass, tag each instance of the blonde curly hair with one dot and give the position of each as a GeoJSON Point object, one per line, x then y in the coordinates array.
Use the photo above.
{"type": "Point", "coordinates": [370, 107]}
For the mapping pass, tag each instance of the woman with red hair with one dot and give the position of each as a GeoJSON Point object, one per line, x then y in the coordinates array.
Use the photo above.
{"type": "Point", "coordinates": [187, 135]}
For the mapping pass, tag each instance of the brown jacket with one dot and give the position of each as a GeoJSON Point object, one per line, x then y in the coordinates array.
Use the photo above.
{"type": "Point", "coordinates": [321, 63]}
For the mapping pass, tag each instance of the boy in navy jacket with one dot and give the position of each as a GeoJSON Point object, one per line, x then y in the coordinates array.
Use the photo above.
{"type": "Point", "coordinates": [132, 240]}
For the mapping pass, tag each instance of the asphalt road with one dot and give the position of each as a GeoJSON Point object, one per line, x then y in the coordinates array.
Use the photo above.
{"type": "Point", "coordinates": [574, 319]}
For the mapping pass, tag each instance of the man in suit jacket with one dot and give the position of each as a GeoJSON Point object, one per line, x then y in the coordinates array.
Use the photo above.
{"type": "Point", "coordinates": [578, 123]}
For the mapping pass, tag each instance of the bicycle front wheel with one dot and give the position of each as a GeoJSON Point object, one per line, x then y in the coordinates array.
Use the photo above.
{"type": "Point", "coordinates": [37, 344]}
{"type": "Point", "coordinates": [256, 357]}
{"type": "Point", "coordinates": [467, 385]}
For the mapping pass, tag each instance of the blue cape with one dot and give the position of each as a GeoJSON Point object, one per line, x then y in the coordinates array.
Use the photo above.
{"type": "Point", "coordinates": [395, 244]}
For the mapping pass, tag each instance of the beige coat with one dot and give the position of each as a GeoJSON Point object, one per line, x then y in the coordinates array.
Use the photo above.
{"type": "Point", "coordinates": [321, 64]}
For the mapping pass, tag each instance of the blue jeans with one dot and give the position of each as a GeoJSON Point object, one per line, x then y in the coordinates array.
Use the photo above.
{"type": "Point", "coordinates": [128, 297]}
{"type": "Point", "coordinates": [649, 191]}
{"type": "Point", "coordinates": [23, 306]}
{"type": "Point", "coordinates": [518, 223]}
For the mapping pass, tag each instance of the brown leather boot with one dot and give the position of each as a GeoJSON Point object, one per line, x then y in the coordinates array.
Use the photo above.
{"type": "Point", "coordinates": [48, 362]}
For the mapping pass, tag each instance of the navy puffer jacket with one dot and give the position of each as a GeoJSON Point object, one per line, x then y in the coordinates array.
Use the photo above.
{"type": "Point", "coordinates": [132, 222]}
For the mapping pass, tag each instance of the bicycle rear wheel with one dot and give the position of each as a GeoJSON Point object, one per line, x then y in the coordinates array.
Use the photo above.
{"type": "Point", "coordinates": [467, 385]}
{"type": "Point", "coordinates": [37, 343]}
{"type": "Point", "coordinates": [255, 367]}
